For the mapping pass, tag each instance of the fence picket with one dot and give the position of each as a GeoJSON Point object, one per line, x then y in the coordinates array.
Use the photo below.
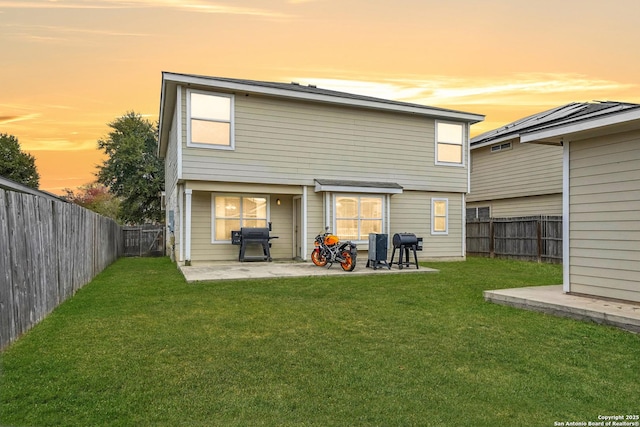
{"type": "Point", "coordinates": [144, 240]}
{"type": "Point", "coordinates": [529, 238]}
{"type": "Point", "coordinates": [51, 249]}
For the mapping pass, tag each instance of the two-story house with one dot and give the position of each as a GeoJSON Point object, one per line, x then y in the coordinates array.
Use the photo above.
{"type": "Point", "coordinates": [512, 179]}
{"type": "Point", "coordinates": [243, 153]}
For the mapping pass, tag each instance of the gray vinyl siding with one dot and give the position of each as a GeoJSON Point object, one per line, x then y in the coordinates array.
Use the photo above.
{"type": "Point", "coordinates": [282, 141]}
{"type": "Point", "coordinates": [171, 161]}
{"type": "Point", "coordinates": [604, 251]}
{"type": "Point", "coordinates": [171, 183]}
{"type": "Point", "coordinates": [548, 204]}
{"type": "Point", "coordinates": [524, 170]}
{"type": "Point", "coordinates": [315, 218]}
{"type": "Point", "coordinates": [411, 213]}
{"type": "Point", "coordinates": [202, 248]}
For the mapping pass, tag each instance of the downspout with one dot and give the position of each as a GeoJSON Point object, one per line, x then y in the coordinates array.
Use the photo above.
{"type": "Point", "coordinates": [179, 132]}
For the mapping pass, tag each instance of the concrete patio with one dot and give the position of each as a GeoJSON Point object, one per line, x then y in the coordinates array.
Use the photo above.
{"type": "Point", "coordinates": [551, 300]}
{"type": "Point", "coordinates": [199, 272]}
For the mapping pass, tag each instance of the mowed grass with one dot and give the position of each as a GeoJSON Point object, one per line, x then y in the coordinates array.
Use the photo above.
{"type": "Point", "coordinates": [140, 347]}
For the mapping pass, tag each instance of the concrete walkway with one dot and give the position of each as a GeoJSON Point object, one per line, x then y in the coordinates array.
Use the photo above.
{"type": "Point", "coordinates": [261, 270]}
{"type": "Point", "coordinates": [551, 300]}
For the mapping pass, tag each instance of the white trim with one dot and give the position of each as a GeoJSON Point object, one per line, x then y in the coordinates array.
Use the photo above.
{"type": "Point", "coordinates": [334, 218]}
{"type": "Point", "coordinates": [467, 152]}
{"type": "Point", "coordinates": [180, 215]}
{"type": "Point", "coordinates": [464, 225]}
{"type": "Point", "coordinates": [388, 218]}
{"type": "Point", "coordinates": [566, 277]}
{"type": "Point", "coordinates": [462, 143]}
{"type": "Point", "coordinates": [241, 196]}
{"type": "Point", "coordinates": [349, 189]}
{"type": "Point", "coordinates": [295, 223]}
{"type": "Point", "coordinates": [446, 217]}
{"type": "Point", "coordinates": [179, 131]}
{"type": "Point", "coordinates": [327, 211]}
{"type": "Point", "coordinates": [187, 227]}
{"type": "Point", "coordinates": [584, 125]}
{"type": "Point", "coordinates": [231, 97]}
{"type": "Point", "coordinates": [319, 97]}
{"type": "Point", "coordinates": [304, 223]}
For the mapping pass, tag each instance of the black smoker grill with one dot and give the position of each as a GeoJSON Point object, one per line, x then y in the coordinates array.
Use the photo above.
{"type": "Point", "coordinates": [377, 251]}
{"type": "Point", "coordinates": [403, 242]}
{"type": "Point", "coordinates": [257, 236]}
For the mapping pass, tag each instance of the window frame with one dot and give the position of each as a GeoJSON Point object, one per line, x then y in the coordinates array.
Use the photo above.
{"type": "Point", "coordinates": [476, 212]}
{"type": "Point", "coordinates": [242, 196]}
{"type": "Point", "coordinates": [359, 218]}
{"type": "Point", "coordinates": [501, 147]}
{"type": "Point", "coordinates": [462, 144]}
{"type": "Point", "coordinates": [231, 120]}
{"type": "Point", "coordinates": [435, 232]}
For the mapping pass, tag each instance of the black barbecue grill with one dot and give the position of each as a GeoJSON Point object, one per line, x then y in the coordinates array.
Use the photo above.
{"type": "Point", "coordinates": [404, 242]}
{"type": "Point", "coordinates": [253, 236]}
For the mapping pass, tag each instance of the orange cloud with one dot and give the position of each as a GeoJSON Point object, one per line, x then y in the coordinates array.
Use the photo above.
{"type": "Point", "coordinates": [13, 119]}
{"type": "Point", "coordinates": [520, 89]}
{"type": "Point", "coordinates": [201, 6]}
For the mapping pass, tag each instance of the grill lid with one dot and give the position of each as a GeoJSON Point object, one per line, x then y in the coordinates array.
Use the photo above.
{"type": "Point", "coordinates": [404, 239]}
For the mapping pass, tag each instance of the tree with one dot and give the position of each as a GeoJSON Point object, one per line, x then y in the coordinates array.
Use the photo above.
{"type": "Point", "coordinates": [133, 172]}
{"type": "Point", "coordinates": [15, 164]}
{"type": "Point", "coordinates": [95, 197]}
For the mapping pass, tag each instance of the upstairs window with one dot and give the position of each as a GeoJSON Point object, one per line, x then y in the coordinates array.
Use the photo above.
{"type": "Point", "coordinates": [210, 120]}
{"type": "Point", "coordinates": [449, 143]}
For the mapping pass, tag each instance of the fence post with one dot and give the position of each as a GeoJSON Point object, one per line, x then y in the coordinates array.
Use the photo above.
{"type": "Point", "coordinates": [491, 239]}
{"type": "Point", "coordinates": [539, 236]}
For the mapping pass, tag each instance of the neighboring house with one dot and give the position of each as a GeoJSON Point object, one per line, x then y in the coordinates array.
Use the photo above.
{"type": "Point", "coordinates": [242, 153]}
{"type": "Point", "coordinates": [601, 198]}
{"type": "Point", "coordinates": [510, 179]}
{"type": "Point", "coordinates": [11, 185]}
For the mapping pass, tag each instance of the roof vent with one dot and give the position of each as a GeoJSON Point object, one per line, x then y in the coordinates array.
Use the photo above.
{"type": "Point", "coordinates": [295, 83]}
{"type": "Point", "coordinates": [314, 86]}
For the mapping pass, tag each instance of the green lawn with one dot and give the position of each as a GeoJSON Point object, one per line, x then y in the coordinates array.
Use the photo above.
{"type": "Point", "coordinates": [140, 347]}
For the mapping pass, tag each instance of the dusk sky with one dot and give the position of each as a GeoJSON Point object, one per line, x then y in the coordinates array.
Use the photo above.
{"type": "Point", "coordinates": [69, 67]}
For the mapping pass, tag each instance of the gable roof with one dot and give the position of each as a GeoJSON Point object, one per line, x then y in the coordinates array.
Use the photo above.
{"type": "Point", "coordinates": [170, 81]}
{"type": "Point", "coordinates": [549, 124]}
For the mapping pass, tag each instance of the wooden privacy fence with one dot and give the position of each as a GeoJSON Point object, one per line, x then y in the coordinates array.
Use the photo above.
{"type": "Point", "coordinates": [50, 249]}
{"type": "Point", "coordinates": [144, 240]}
{"type": "Point", "coordinates": [529, 238]}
